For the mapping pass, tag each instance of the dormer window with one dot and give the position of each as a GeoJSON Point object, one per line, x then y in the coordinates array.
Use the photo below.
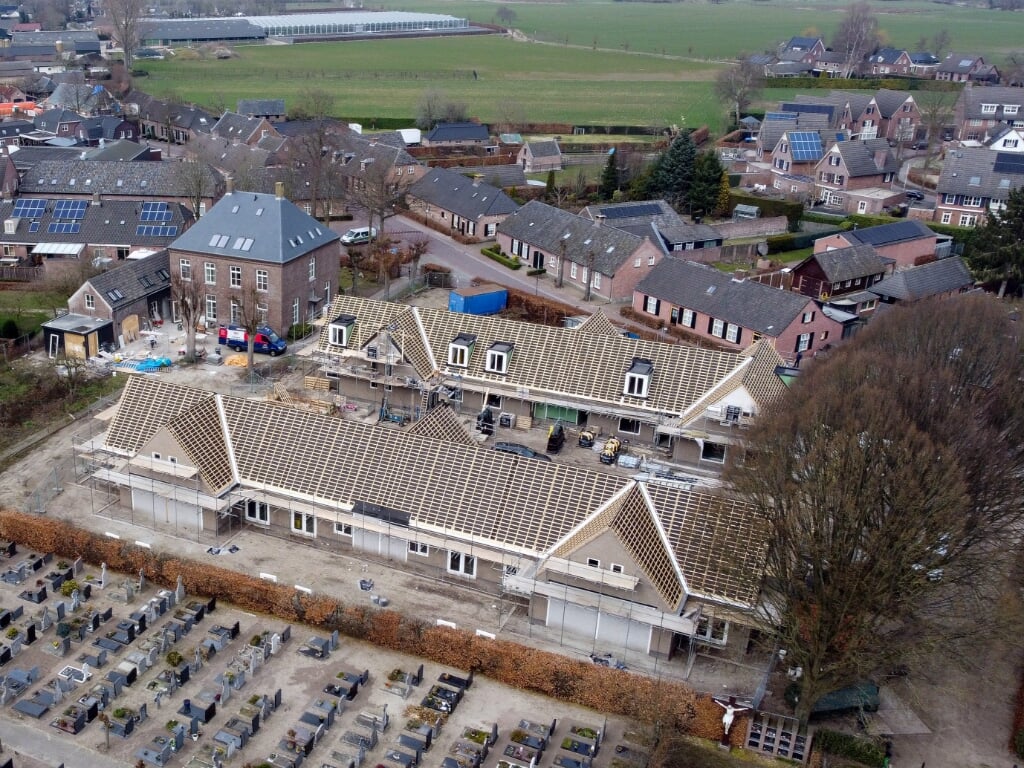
{"type": "Point", "coordinates": [499, 355]}
{"type": "Point", "coordinates": [988, 109]}
{"type": "Point", "coordinates": [340, 330]}
{"type": "Point", "coordinates": [638, 378]}
{"type": "Point", "coordinates": [460, 349]}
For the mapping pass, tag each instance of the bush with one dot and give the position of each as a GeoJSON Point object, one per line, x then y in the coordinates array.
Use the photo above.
{"type": "Point", "coordinates": [1018, 743]}
{"type": "Point", "coordinates": [494, 255]}
{"type": "Point", "coordinates": [299, 331]}
{"type": "Point", "coordinates": [769, 206]}
{"type": "Point", "coordinates": [9, 329]}
{"type": "Point", "coordinates": [849, 746]}
{"type": "Point", "coordinates": [536, 272]}
{"type": "Point", "coordinates": [140, 73]}
{"type": "Point", "coordinates": [68, 587]}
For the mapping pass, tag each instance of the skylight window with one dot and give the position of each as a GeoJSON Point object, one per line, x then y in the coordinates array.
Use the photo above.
{"type": "Point", "coordinates": [234, 209]}
{"type": "Point", "coordinates": [259, 211]}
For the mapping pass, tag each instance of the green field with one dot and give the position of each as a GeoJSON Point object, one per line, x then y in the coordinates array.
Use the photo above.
{"type": "Point", "coordinates": [704, 30]}
{"type": "Point", "coordinates": [607, 63]}
{"type": "Point", "coordinates": [388, 79]}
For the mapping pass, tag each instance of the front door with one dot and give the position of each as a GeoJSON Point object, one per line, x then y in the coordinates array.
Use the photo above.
{"type": "Point", "coordinates": [538, 260]}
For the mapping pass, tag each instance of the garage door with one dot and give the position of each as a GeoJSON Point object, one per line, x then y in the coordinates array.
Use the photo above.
{"type": "Point", "coordinates": [615, 633]}
{"type": "Point", "coordinates": [380, 544]}
{"type": "Point", "coordinates": [573, 619]}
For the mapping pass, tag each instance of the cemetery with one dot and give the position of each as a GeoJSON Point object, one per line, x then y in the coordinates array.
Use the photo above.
{"type": "Point", "coordinates": [118, 664]}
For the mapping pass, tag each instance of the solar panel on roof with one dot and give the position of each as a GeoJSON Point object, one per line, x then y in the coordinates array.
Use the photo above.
{"type": "Point", "coordinates": [805, 145]}
{"type": "Point", "coordinates": [155, 211]}
{"type": "Point", "coordinates": [814, 109]}
{"type": "Point", "coordinates": [1008, 162]}
{"type": "Point", "coordinates": [631, 211]}
{"type": "Point", "coordinates": [28, 208]}
{"type": "Point", "coordinates": [64, 228]}
{"type": "Point", "coordinates": [70, 209]}
{"type": "Point", "coordinates": [780, 116]}
{"type": "Point", "coordinates": [155, 230]}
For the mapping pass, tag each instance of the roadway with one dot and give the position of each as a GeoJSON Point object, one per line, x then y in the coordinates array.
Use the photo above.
{"type": "Point", "coordinates": [29, 740]}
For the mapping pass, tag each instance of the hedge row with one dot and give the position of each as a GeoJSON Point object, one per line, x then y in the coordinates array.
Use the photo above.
{"type": "Point", "coordinates": [495, 254]}
{"type": "Point", "coordinates": [792, 241]}
{"type": "Point", "coordinates": [862, 84]}
{"type": "Point", "coordinates": [769, 206]}
{"type": "Point", "coordinates": [575, 682]}
{"type": "Point", "coordinates": [536, 309]}
{"type": "Point", "coordinates": [849, 746]}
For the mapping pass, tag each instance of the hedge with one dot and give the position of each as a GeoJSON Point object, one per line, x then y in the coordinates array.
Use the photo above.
{"type": "Point", "coordinates": [674, 705]}
{"type": "Point", "coordinates": [862, 84]}
{"type": "Point", "coordinates": [849, 746]}
{"type": "Point", "coordinates": [794, 241]}
{"type": "Point", "coordinates": [769, 206]}
{"type": "Point", "coordinates": [495, 255]}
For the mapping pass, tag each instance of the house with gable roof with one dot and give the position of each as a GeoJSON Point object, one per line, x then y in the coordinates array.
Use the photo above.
{"type": "Point", "coordinates": [980, 113]}
{"type": "Point", "coordinates": [901, 117]}
{"type": "Point", "coordinates": [659, 221]}
{"type": "Point", "coordinates": [937, 279]}
{"type": "Point", "coordinates": [959, 67]}
{"type": "Point", "coordinates": [802, 48]}
{"type": "Point", "coordinates": [906, 243]}
{"type": "Point", "coordinates": [888, 61]}
{"type": "Point", "coordinates": [652, 393]}
{"type": "Point", "coordinates": [538, 156]}
{"type": "Point", "coordinates": [733, 313]}
{"type": "Point", "coordinates": [579, 250]}
{"type": "Point", "coordinates": [832, 274]}
{"type": "Point", "coordinates": [242, 129]}
{"type": "Point", "coordinates": [457, 135]}
{"type": "Point", "coordinates": [974, 181]}
{"type": "Point", "coordinates": [794, 159]}
{"type": "Point", "coordinates": [637, 566]}
{"type": "Point", "coordinates": [271, 109]}
{"type": "Point", "coordinates": [1007, 140]}
{"type": "Point", "coordinates": [257, 244]}
{"type": "Point", "coordinates": [467, 206]}
{"type": "Point", "coordinates": [857, 176]}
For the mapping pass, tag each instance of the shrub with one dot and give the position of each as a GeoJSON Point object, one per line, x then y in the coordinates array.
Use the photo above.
{"type": "Point", "coordinates": [68, 587]}
{"type": "Point", "coordinates": [174, 658]}
{"type": "Point", "coordinates": [494, 255]}
{"type": "Point", "coordinates": [9, 329]}
{"type": "Point", "coordinates": [1018, 743]}
{"type": "Point", "coordinates": [299, 331]}
{"type": "Point", "coordinates": [536, 272]}
{"type": "Point", "coordinates": [769, 206]}
{"type": "Point", "coordinates": [849, 746]}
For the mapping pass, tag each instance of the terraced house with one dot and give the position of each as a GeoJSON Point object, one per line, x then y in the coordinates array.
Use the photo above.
{"type": "Point", "coordinates": [668, 400]}
{"type": "Point", "coordinates": [650, 567]}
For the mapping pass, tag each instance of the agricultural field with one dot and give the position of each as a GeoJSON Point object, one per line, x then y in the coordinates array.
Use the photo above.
{"type": "Point", "coordinates": [720, 31]}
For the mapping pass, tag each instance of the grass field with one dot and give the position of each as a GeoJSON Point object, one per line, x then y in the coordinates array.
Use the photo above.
{"type": "Point", "coordinates": [388, 79]}
{"type": "Point", "coordinates": [704, 30]}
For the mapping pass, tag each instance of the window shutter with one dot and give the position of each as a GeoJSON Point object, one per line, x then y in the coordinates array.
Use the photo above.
{"type": "Point", "coordinates": [739, 335]}
{"type": "Point", "coordinates": [711, 325]}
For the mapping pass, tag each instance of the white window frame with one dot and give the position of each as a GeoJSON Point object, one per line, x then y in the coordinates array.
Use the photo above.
{"type": "Point", "coordinates": [257, 512]}
{"type": "Point", "coordinates": [636, 385]}
{"type": "Point", "coordinates": [572, 270]}
{"type": "Point", "coordinates": [338, 335]}
{"type": "Point", "coordinates": [296, 316]}
{"type": "Point", "coordinates": [989, 109]}
{"type": "Point", "coordinates": [90, 301]}
{"type": "Point", "coordinates": [343, 529]}
{"type": "Point", "coordinates": [209, 273]}
{"type": "Point", "coordinates": [185, 269]}
{"type": "Point", "coordinates": [312, 268]}
{"type": "Point", "coordinates": [712, 630]}
{"type": "Point", "coordinates": [689, 318]}
{"type": "Point", "coordinates": [968, 219]}
{"type": "Point", "coordinates": [1011, 109]}
{"type": "Point", "coordinates": [616, 568]}
{"type": "Point", "coordinates": [235, 276]}
{"type": "Point", "coordinates": [732, 333]}
{"type": "Point", "coordinates": [211, 307]}
{"type": "Point", "coordinates": [947, 217]}
{"type": "Point", "coordinates": [808, 317]}
{"type": "Point", "coordinates": [236, 312]}
{"type": "Point", "coordinates": [419, 548]}
{"type": "Point", "coordinates": [718, 328]}
{"type": "Point", "coordinates": [652, 305]}
{"type": "Point", "coordinates": [262, 280]}
{"type": "Point", "coordinates": [596, 283]}
{"type": "Point", "coordinates": [803, 342]}
{"type": "Point", "coordinates": [593, 562]}
{"type": "Point", "coordinates": [496, 361]}
{"type": "Point", "coordinates": [461, 564]}
{"type": "Point", "coordinates": [303, 523]}
{"type": "Point", "coordinates": [458, 355]}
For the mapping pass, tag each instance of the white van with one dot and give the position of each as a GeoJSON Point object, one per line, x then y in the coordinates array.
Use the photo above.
{"type": "Point", "coordinates": [359, 235]}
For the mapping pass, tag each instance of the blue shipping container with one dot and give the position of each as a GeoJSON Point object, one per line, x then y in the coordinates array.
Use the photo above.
{"type": "Point", "coordinates": [479, 300]}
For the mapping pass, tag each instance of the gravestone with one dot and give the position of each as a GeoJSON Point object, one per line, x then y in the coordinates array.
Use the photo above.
{"type": "Point", "coordinates": [76, 600]}
{"type": "Point", "coordinates": [103, 575]}
{"type": "Point", "coordinates": [179, 591]}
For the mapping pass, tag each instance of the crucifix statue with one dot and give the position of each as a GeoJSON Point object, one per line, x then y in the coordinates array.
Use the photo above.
{"type": "Point", "coordinates": [731, 709]}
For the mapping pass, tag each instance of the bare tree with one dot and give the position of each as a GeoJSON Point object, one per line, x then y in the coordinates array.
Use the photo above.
{"type": "Point", "coordinates": [126, 18]}
{"type": "Point", "coordinates": [312, 155]}
{"type": "Point", "coordinates": [588, 271]}
{"type": "Point", "coordinates": [416, 250]}
{"type": "Point", "coordinates": [246, 313]}
{"type": "Point", "coordinates": [511, 116]}
{"type": "Point", "coordinates": [505, 15]}
{"type": "Point", "coordinates": [856, 36]}
{"type": "Point", "coordinates": [739, 85]}
{"type": "Point", "coordinates": [936, 108]}
{"type": "Point", "coordinates": [941, 41]}
{"type": "Point", "coordinates": [888, 530]}
{"type": "Point", "coordinates": [196, 182]}
{"type": "Point", "coordinates": [378, 190]}
{"type": "Point", "coordinates": [187, 293]}
{"type": "Point", "coordinates": [437, 107]}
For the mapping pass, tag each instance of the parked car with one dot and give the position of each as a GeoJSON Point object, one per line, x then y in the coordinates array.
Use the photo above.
{"type": "Point", "coordinates": [267, 342]}
{"type": "Point", "coordinates": [556, 438]}
{"type": "Point", "coordinates": [520, 450]}
{"type": "Point", "coordinates": [913, 194]}
{"type": "Point", "coordinates": [919, 145]}
{"type": "Point", "coordinates": [359, 236]}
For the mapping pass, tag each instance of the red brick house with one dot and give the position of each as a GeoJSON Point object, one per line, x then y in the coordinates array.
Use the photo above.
{"type": "Point", "coordinates": [736, 313]}
{"type": "Point", "coordinates": [539, 156]}
{"type": "Point", "coordinates": [466, 205]}
{"type": "Point", "coordinates": [829, 274]}
{"type": "Point", "coordinates": [265, 244]}
{"type": "Point", "coordinates": [611, 260]}
{"type": "Point", "coordinates": [981, 113]}
{"type": "Point", "coordinates": [857, 176]}
{"type": "Point", "coordinates": [958, 67]}
{"type": "Point", "coordinates": [907, 243]}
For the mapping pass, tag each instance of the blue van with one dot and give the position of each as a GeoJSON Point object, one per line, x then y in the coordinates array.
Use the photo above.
{"type": "Point", "coordinates": [267, 342]}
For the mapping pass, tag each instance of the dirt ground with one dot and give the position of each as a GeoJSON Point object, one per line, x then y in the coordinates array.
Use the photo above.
{"type": "Point", "coordinates": [944, 715]}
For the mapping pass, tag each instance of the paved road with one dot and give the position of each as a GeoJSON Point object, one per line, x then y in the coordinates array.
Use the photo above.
{"type": "Point", "coordinates": [29, 740]}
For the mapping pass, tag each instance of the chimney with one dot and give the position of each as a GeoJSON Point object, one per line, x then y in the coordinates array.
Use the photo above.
{"type": "Point", "coordinates": [229, 185]}
{"type": "Point", "coordinates": [96, 198]}
{"type": "Point", "coordinates": [279, 190]}
{"type": "Point", "coordinates": [599, 219]}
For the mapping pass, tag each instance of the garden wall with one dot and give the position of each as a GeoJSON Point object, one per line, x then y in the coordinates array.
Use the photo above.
{"type": "Point", "coordinates": [673, 704]}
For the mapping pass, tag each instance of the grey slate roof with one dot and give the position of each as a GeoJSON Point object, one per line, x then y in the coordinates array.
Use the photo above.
{"type": "Point", "coordinates": [459, 132]}
{"type": "Point", "coordinates": [930, 279]}
{"type": "Point", "coordinates": [80, 97]}
{"type": "Point", "coordinates": [228, 156]}
{"type": "Point", "coordinates": [119, 149]}
{"type": "Point", "coordinates": [971, 171]}
{"type": "Point", "coordinates": [280, 232]}
{"type": "Point", "coordinates": [508, 175]}
{"type": "Point", "coordinates": [547, 148]}
{"type": "Point", "coordinates": [848, 263]}
{"type": "Point", "coordinates": [772, 130]}
{"type": "Point", "coordinates": [265, 107]}
{"type": "Point", "coordinates": [886, 55]}
{"type": "Point", "coordinates": [889, 102]}
{"type": "Point", "coordinates": [203, 29]}
{"type": "Point", "coordinates": [974, 97]}
{"type": "Point", "coordinates": [701, 288]}
{"type": "Point", "coordinates": [51, 119]}
{"type": "Point", "coordinates": [28, 156]}
{"type": "Point", "coordinates": [113, 177]}
{"type": "Point", "coordinates": [133, 280]}
{"type": "Point", "coordinates": [51, 38]}
{"type": "Point", "coordinates": [450, 190]}
{"type": "Point", "coordinates": [236, 127]}
{"type": "Point", "coordinates": [672, 227]}
{"type": "Point", "coordinates": [800, 43]}
{"type": "Point", "coordinates": [547, 228]}
{"type": "Point", "coordinates": [958, 63]}
{"type": "Point", "coordinates": [860, 157]}
{"type": "Point", "coordinates": [113, 222]}
{"type": "Point", "coordinates": [890, 234]}
{"type": "Point", "coordinates": [11, 128]}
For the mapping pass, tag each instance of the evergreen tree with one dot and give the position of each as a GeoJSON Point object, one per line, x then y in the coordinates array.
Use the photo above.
{"type": "Point", "coordinates": [610, 177]}
{"type": "Point", "coordinates": [672, 174]}
{"type": "Point", "coordinates": [724, 197]}
{"type": "Point", "coordinates": [997, 248]}
{"type": "Point", "coordinates": [707, 180]}
{"type": "Point", "coordinates": [549, 187]}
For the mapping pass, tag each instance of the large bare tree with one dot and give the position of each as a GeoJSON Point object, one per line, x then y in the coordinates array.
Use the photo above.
{"type": "Point", "coordinates": [937, 109]}
{"type": "Point", "coordinates": [888, 480]}
{"type": "Point", "coordinates": [856, 36]}
{"type": "Point", "coordinates": [739, 85]}
{"type": "Point", "coordinates": [187, 292]}
{"type": "Point", "coordinates": [247, 313]}
{"type": "Point", "coordinates": [312, 155]}
{"type": "Point", "coordinates": [127, 21]}
{"type": "Point", "coordinates": [377, 189]}
{"type": "Point", "coordinates": [197, 182]}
